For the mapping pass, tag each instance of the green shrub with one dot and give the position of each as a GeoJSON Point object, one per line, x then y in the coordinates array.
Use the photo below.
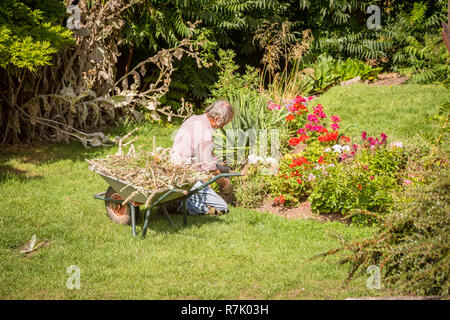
{"type": "Point", "coordinates": [329, 71]}
{"type": "Point", "coordinates": [413, 245]}
{"type": "Point", "coordinates": [347, 187]}
{"type": "Point", "coordinates": [29, 33]}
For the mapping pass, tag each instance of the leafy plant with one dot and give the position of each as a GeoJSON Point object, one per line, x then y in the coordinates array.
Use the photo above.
{"type": "Point", "coordinates": [251, 190]}
{"type": "Point", "coordinates": [30, 34]}
{"type": "Point", "coordinates": [352, 68]}
{"type": "Point", "coordinates": [412, 247]}
{"type": "Point", "coordinates": [329, 71]}
{"type": "Point", "coordinates": [408, 41]}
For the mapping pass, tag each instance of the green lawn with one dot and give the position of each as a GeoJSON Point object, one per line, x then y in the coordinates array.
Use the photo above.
{"type": "Point", "coordinates": [402, 112]}
{"type": "Point", "coordinates": [48, 191]}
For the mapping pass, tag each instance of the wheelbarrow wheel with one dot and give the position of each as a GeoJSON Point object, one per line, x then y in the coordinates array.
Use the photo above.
{"type": "Point", "coordinates": [116, 212]}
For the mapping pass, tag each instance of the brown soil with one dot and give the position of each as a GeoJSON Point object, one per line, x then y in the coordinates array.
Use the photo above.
{"type": "Point", "coordinates": [303, 211]}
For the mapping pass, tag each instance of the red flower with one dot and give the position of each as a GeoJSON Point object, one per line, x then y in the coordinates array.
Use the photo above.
{"type": "Point", "coordinates": [299, 181]}
{"type": "Point", "coordinates": [279, 200]}
{"type": "Point", "coordinates": [321, 160]}
{"type": "Point", "coordinates": [298, 162]}
{"type": "Point", "coordinates": [290, 117]}
{"type": "Point", "coordinates": [296, 141]}
{"type": "Point", "coordinates": [359, 186]}
{"type": "Point", "coordinates": [303, 137]}
{"type": "Point", "coordinates": [323, 130]}
{"type": "Point", "coordinates": [345, 139]}
{"type": "Point", "coordinates": [329, 137]}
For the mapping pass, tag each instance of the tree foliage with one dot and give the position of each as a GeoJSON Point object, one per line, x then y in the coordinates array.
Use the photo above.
{"type": "Point", "coordinates": [30, 33]}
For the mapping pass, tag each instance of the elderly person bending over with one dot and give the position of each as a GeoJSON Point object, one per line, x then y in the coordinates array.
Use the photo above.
{"type": "Point", "coordinates": [194, 144]}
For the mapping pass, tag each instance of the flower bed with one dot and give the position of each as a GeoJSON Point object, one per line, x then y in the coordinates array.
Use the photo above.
{"type": "Point", "coordinates": [334, 172]}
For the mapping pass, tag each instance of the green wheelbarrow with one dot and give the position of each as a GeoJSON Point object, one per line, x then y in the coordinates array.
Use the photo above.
{"type": "Point", "coordinates": [124, 214]}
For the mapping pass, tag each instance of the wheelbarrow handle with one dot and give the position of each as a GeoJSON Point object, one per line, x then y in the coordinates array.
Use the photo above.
{"type": "Point", "coordinates": [221, 175]}
{"type": "Point", "coordinates": [227, 174]}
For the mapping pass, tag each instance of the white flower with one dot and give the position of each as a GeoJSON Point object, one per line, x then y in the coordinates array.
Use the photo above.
{"type": "Point", "coordinates": [337, 148]}
{"type": "Point", "coordinates": [270, 160]}
{"type": "Point", "coordinates": [253, 159]}
{"type": "Point", "coordinates": [346, 148]}
{"type": "Point", "coordinates": [397, 144]}
{"type": "Point", "coordinates": [328, 149]}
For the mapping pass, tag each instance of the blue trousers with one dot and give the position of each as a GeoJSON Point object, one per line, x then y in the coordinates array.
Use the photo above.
{"type": "Point", "coordinates": [198, 203]}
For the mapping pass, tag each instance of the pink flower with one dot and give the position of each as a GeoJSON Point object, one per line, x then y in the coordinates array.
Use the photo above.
{"type": "Point", "coordinates": [318, 128]}
{"type": "Point", "coordinates": [335, 126]}
{"type": "Point", "coordinates": [299, 99]}
{"type": "Point", "coordinates": [273, 106]}
{"type": "Point", "coordinates": [313, 118]}
{"type": "Point", "coordinates": [407, 182]}
{"type": "Point", "coordinates": [318, 111]}
{"type": "Point", "coordinates": [371, 178]}
{"type": "Point", "coordinates": [309, 126]}
{"type": "Point", "coordinates": [383, 138]}
{"type": "Point", "coordinates": [364, 135]}
{"type": "Point", "coordinates": [335, 119]}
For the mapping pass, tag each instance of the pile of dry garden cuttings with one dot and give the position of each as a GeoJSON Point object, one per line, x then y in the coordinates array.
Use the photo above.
{"type": "Point", "coordinates": [148, 172]}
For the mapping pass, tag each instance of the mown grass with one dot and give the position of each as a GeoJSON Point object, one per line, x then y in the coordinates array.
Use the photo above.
{"type": "Point", "coordinates": [48, 191]}
{"type": "Point", "coordinates": [402, 112]}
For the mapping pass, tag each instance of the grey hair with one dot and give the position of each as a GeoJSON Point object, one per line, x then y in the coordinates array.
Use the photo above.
{"type": "Point", "coordinates": [221, 109]}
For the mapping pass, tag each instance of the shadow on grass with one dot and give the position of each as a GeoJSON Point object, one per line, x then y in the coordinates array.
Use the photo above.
{"type": "Point", "coordinates": [47, 154]}
{"type": "Point", "coordinates": [7, 172]}
{"type": "Point", "coordinates": [41, 153]}
{"type": "Point", "coordinates": [12, 157]}
{"type": "Point", "coordinates": [159, 223]}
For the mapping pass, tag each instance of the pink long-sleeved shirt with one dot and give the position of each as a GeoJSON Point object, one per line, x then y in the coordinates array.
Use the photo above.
{"type": "Point", "coordinates": [194, 143]}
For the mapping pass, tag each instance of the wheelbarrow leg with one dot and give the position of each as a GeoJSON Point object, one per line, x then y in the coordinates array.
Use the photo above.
{"type": "Point", "coordinates": [167, 216]}
{"type": "Point", "coordinates": [133, 220]}
{"type": "Point", "coordinates": [147, 218]}
{"type": "Point", "coordinates": [184, 212]}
